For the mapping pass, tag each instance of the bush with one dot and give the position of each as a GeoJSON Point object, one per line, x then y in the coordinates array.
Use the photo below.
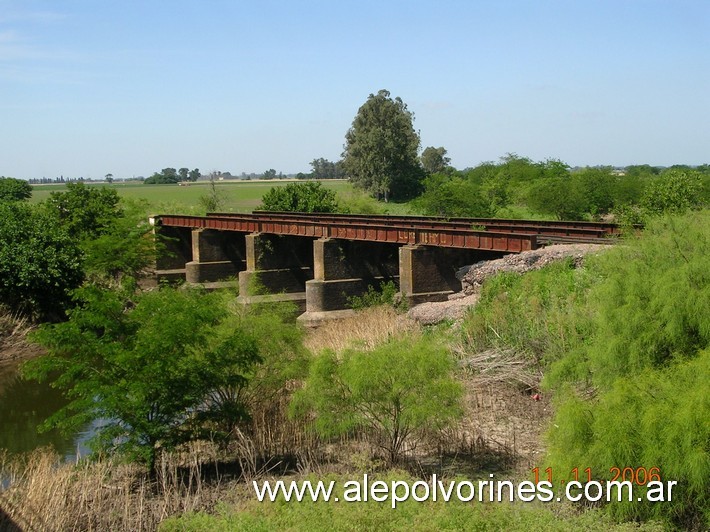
{"type": "Point", "coordinates": [644, 370]}
{"type": "Point", "coordinates": [624, 343]}
{"type": "Point", "coordinates": [673, 192]}
{"type": "Point", "coordinates": [655, 419]}
{"type": "Point", "coordinates": [300, 197]}
{"type": "Point", "coordinates": [125, 248]}
{"type": "Point", "coordinates": [453, 196]}
{"type": "Point", "coordinates": [39, 262]}
{"type": "Point", "coordinates": [12, 189]}
{"type": "Point", "coordinates": [85, 211]}
{"type": "Point", "coordinates": [386, 295]}
{"type": "Point", "coordinates": [395, 392]}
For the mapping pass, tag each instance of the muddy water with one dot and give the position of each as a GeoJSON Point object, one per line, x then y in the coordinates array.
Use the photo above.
{"type": "Point", "coordinates": [24, 405]}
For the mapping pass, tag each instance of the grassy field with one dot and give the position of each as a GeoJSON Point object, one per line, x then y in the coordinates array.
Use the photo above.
{"type": "Point", "coordinates": [238, 196]}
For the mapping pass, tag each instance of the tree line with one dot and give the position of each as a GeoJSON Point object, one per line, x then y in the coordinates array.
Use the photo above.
{"type": "Point", "coordinates": [381, 156]}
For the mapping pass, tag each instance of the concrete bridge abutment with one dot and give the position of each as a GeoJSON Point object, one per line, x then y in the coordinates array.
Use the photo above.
{"type": "Point", "coordinates": [175, 251]}
{"type": "Point", "coordinates": [346, 268]}
{"type": "Point", "coordinates": [429, 273]}
{"type": "Point", "coordinates": [216, 256]}
{"type": "Point", "coordinates": [277, 267]}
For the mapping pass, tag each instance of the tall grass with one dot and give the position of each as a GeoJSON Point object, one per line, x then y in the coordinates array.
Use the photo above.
{"type": "Point", "coordinates": [540, 316]}
{"type": "Point", "coordinates": [14, 329]}
{"type": "Point", "coordinates": [45, 494]}
{"type": "Point", "coordinates": [367, 329]}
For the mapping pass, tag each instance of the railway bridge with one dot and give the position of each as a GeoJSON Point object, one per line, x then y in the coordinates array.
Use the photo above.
{"type": "Point", "coordinates": [319, 260]}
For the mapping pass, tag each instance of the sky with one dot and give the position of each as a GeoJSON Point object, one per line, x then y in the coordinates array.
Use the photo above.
{"type": "Point", "coordinates": [92, 87]}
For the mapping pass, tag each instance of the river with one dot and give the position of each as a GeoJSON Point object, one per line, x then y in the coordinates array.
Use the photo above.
{"type": "Point", "coordinates": [24, 405]}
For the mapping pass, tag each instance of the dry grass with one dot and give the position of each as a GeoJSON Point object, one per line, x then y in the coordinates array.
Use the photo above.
{"type": "Point", "coordinates": [503, 408]}
{"type": "Point", "coordinates": [366, 329]}
{"type": "Point", "coordinates": [46, 495]}
{"type": "Point", "coordinates": [13, 335]}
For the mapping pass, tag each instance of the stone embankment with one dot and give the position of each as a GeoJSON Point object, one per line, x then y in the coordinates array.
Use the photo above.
{"type": "Point", "coordinates": [472, 278]}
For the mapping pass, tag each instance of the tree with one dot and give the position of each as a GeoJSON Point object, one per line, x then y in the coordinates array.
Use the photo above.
{"type": "Point", "coordinates": [449, 196]}
{"type": "Point", "coordinates": [599, 188]}
{"type": "Point", "coordinates": [559, 196]}
{"type": "Point", "coordinates": [269, 174]}
{"type": "Point", "coordinates": [194, 175]}
{"type": "Point", "coordinates": [214, 199]}
{"type": "Point", "coordinates": [300, 197]}
{"type": "Point", "coordinates": [147, 365]}
{"type": "Point", "coordinates": [39, 261]}
{"type": "Point", "coordinates": [160, 179]}
{"type": "Point", "coordinates": [125, 248]}
{"type": "Point", "coordinates": [85, 211]}
{"type": "Point", "coordinates": [673, 192]}
{"type": "Point", "coordinates": [325, 169]}
{"type": "Point", "coordinates": [12, 189]}
{"type": "Point", "coordinates": [171, 176]}
{"type": "Point", "coordinates": [381, 149]}
{"type": "Point", "coordinates": [169, 172]}
{"type": "Point", "coordinates": [434, 160]}
{"type": "Point", "coordinates": [109, 178]}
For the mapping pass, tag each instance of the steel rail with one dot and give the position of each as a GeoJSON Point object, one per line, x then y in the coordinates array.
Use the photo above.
{"type": "Point", "coordinates": [580, 224]}
{"type": "Point", "coordinates": [435, 223]}
{"type": "Point", "coordinates": [453, 237]}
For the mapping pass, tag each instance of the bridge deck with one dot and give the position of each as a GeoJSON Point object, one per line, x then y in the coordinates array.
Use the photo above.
{"type": "Point", "coordinates": [373, 229]}
{"type": "Point", "coordinates": [550, 228]}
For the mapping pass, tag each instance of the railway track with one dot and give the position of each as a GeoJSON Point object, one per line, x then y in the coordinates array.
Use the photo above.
{"type": "Point", "coordinates": [511, 236]}
{"type": "Point", "coordinates": [552, 231]}
{"type": "Point", "coordinates": [316, 226]}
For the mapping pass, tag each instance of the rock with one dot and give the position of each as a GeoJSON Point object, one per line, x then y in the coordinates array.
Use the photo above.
{"type": "Point", "coordinates": [472, 277]}
{"type": "Point", "coordinates": [431, 313]}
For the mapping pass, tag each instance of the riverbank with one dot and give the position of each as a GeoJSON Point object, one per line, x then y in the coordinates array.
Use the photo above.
{"type": "Point", "coordinates": [14, 343]}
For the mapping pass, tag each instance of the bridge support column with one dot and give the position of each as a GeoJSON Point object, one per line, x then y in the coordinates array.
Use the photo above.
{"type": "Point", "coordinates": [175, 252]}
{"type": "Point", "coordinates": [343, 269]}
{"type": "Point", "coordinates": [429, 273]}
{"type": "Point", "coordinates": [217, 255]}
{"type": "Point", "coordinates": [276, 265]}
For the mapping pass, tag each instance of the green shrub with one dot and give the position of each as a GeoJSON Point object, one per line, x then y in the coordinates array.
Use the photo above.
{"type": "Point", "coordinates": [453, 196]}
{"type": "Point", "coordinates": [85, 211]}
{"type": "Point", "coordinates": [12, 189]}
{"type": "Point", "coordinates": [395, 392]}
{"type": "Point", "coordinates": [161, 367]}
{"type": "Point", "coordinates": [624, 344]}
{"type": "Point", "coordinates": [673, 192]}
{"type": "Point", "coordinates": [125, 248]}
{"type": "Point", "coordinates": [385, 295]}
{"type": "Point", "coordinates": [311, 196]}
{"type": "Point", "coordinates": [539, 315]}
{"type": "Point", "coordinates": [644, 370]}
{"type": "Point", "coordinates": [39, 262]}
{"type": "Point", "coordinates": [656, 419]}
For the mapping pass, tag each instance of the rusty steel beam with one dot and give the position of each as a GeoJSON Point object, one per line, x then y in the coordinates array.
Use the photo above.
{"type": "Point", "coordinates": [347, 229]}
{"type": "Point", "coordinates": [563, 229]}
{"type": "Point", "coordinates": [607, 227]}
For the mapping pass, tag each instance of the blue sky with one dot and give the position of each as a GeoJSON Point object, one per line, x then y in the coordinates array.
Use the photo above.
{"type": "Point", "coordinates": [90, 87]}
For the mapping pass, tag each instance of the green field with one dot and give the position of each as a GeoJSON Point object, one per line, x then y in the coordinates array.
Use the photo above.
{"type": "Point", "coordinates": [238, 196]}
